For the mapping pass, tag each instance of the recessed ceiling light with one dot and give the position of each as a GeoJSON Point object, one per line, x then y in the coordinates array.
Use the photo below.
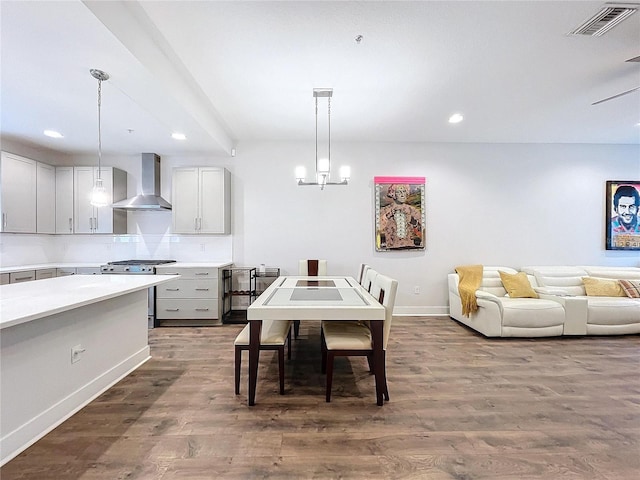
{"type": "Point", "coordinates": [53, 134]}
{"type": "Point", "coordinates": [178, 136]}
{"type": "Point", "coordinates": [456, 118]}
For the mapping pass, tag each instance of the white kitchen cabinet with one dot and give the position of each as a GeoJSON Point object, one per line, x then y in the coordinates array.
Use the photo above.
{"type": "Point", "coordinates": [4, 279]}
{"type": "Point", "coordinates": [201, 199]}
{"type": "Point", "coordinates": [193, 299]}
{"type": "Point", "coordinates": [45, 198]}
{"type": "Point", "coordinates": [64, 199]}
{"type": "Point", "coordinates": [18, 193]}
{"type": "Point", "coordinates": [86, 217]}
{"type": "Point", "coordinates": [25, 276]}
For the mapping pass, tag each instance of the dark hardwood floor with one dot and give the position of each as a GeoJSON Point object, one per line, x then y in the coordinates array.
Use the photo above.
{"type": "Point", "coordinates": [462, 407]}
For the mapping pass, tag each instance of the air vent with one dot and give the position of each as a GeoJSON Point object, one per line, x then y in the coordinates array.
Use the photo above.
{"type": "Point", "coordinates": [608, 17]}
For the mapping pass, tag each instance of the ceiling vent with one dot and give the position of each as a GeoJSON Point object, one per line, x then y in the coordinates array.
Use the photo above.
{"type": "Point", "coordinates": [610, 15]}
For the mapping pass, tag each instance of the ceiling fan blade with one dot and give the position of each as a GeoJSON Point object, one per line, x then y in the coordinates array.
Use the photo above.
{"type": "Point", "coordinates": [616, 96]}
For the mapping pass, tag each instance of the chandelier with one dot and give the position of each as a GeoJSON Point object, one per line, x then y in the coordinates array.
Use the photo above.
{"type": "Point", "coordinates": [323, 162]}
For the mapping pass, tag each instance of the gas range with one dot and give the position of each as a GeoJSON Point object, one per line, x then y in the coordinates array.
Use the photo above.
{"type": "Point", "coordinates": [133, 267]}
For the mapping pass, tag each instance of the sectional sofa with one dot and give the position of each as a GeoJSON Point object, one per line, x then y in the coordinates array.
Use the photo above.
{"type": "Point", "coordinates": [563, 307]}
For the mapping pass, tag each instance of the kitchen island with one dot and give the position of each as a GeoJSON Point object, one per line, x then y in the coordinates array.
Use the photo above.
{"type": "Point", "coordinates": [63, 342]}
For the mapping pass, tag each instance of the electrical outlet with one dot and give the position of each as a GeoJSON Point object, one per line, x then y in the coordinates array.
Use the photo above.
{"type": "Point", "coordinates": [76, 353]}
{"type": "Point", "coordinates": [416, 290]}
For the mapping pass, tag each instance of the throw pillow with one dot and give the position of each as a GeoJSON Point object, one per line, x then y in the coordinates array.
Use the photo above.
{"type": "Point", "coordinates": [517, 285]}
{"type": "Point", "coordinates": [602, 287]}
{"type": "Point", "coordinates": [631, 288]}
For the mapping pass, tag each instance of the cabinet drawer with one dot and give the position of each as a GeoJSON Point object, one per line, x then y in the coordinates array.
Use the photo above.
{"type": "Point", "coordinates": [188, 288]}
{"type": "Point", "coordinates": [17, 277]}
{"type": "Point", "coordinates": [4, 279]}
{"type": "Point", "coordinates": [186, 308]}
{"type": "Point", "coordinates": [189, 272]}
{"type": "Point", "coordinates": [45, 273]}
{"type": "Point", "coordinates": [65, 272]}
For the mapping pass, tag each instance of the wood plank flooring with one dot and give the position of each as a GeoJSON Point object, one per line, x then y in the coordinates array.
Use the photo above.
{"type": "Point", "coordinates": [462, 407]}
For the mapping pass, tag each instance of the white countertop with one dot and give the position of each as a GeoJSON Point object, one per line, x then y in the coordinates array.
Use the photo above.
{"type": "Point", "coordinates": [27, 301]}
{"type": "Point", "coordinates": [42, 266]}
{"type": "Point", "coordinates": [196, 264]}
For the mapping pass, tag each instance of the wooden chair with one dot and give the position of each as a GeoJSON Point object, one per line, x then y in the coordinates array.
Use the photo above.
{"type": "Point", "coordinates": [310, 268]}
{"type": "Point", "coordinates": [273, 336]}
{"type": "Point", "coordinates": [369, 278]}
{"type": "Point", "coordinates": [346, 339]}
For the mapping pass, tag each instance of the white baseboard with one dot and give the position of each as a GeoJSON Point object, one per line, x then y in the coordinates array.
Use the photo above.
{"type": "Point", "coordinates": [33, 430]}
{"type": "Point", "coordinates": [421, 311]}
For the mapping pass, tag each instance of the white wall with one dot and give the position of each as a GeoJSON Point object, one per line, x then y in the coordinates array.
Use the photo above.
{"type": "Point", "coordinates": [500, 204]}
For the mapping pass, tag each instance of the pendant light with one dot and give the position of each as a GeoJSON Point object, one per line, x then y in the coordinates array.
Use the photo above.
{"type": "Point", "coordinates": [99, 197]}
{"type": "Point", "coordinates": [323, 164]}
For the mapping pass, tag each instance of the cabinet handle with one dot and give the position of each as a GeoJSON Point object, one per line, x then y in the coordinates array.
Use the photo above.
{"type": "Point", "coordinates": [202, 273]}
{"type": "Point", "coordinates": [4, 220]}
{"type": "Point", "coordinates": [172, 289]}
{"type": "Point", "coordinates": [19, 279]}
{"type": "Point", "coordinates": [202, 309]}
{"type": "Point", "coordinates": [95, 224]}
{"type": "Point", "coordinates": [70, 225]}
{"type": "Point", "coordinates": [195, 224]}
{"type": "Point", "coordinates": [202, 289]}
{"type": "Point", "coordinates": [172, 309]}
{"type": "Point", "coordinates": [91, 224]}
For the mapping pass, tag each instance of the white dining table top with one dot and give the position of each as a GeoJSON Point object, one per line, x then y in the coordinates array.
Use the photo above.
{"type": "Point", "coordinates": [315, 298]}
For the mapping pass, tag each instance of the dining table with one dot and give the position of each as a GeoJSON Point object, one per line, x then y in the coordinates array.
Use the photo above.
{"type": "Point", "coordinates": [306, 298]}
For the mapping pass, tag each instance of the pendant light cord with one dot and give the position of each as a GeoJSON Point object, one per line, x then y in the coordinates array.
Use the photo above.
{"type": "Point", "coordinates": [99, 130]}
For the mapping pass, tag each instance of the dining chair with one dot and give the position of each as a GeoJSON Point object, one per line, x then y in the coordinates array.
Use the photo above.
{"type": "Point", "coordinates": [273, 336]}
{"type": "Point", "coordinates": [369, 278]}
{"type": "Point", "coordinates": [346, 339]}
{"type": "Point", "coordinates": [312, 268]}
{"type": "Point", "coordinates": [361, 273]}
{"type": "Point", "coordinates": [309, 268]}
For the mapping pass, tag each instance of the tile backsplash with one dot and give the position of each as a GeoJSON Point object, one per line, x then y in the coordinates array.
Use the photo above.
{"type": "Point", "coordinates": [17, 249]}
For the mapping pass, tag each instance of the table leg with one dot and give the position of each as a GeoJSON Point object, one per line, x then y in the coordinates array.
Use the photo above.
{"type": "Point", "coordinates": [254, 356]}
{"type": "Point", "coordinates": [377, 327]}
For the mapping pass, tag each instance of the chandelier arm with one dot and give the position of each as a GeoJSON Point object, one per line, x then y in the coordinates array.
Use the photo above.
{"type": "Point", "coordinates": [99, 130]}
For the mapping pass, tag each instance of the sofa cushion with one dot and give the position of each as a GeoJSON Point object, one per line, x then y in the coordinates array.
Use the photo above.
{"type": "Point", "coordinates": [631, 288]}
{"type": "Point", "coordinates": [531, 313]}
{"type": "Point", "coordinates": [613, 311]}
{"type": "Point", "coordinates": [517, 285]}
{"type": "Point", "coordinates": [602, 287]}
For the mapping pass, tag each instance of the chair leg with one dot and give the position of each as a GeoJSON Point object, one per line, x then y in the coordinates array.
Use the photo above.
{"type": "Point", "coordinates": [370, 362]}
{"type": "Point", "coordinates": [384, 375]}
{"type": "Point", "coordinates": [237, 367]}
{"type": "Point", "coordinates": [289, 345]}
{"type": "Point", "coordinates": [281, 368]}
{"type": "Point", "coordinates": [323, 347]}
{"type": "Point", "coordinates": [296, 328]}
{"type": "Point", "coordinates": [329, 375]}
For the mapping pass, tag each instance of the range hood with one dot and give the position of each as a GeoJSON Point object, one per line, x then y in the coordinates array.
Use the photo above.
{"type": "Point", "coordinates": [149, 199]}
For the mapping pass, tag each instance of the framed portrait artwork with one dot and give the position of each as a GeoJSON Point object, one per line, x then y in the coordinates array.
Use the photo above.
{"type": "Point", "coordinates": [400, 213]}
{"type": "Point", "coordinates": [621, 222]}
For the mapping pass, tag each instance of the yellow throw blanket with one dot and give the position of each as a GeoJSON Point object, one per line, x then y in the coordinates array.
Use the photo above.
{"type": "Point", "coordinates": [470, 279]}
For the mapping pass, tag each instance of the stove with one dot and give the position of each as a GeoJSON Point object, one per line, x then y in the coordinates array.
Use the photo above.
{"type": "Point", "coordinates": [133, 267]}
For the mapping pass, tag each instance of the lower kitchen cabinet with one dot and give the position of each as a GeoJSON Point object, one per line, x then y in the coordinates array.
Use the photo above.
{"type": "Point", "coordinates": [45, 273]}
{"type": "Point", "coordinates": [25, 276]}
{"type": "Point", "coordinates": [4, 279]}
{"type": "Point", "coordinates": [194, 299]}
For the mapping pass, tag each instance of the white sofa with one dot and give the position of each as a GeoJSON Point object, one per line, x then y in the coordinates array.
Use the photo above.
{"type": "Point", "coordinates": [501, 316]}
{"type": "Point", "coordinates": [588, 315]}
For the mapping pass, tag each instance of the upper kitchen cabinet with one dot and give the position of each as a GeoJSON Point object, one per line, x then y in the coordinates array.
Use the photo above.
{"type": "Point", "coordinates": [18, 193]}
{"type": "Point", "coordinates": [64, 199]}
{"type": "Point", "coordinates": [90, 219]}
{"type": "Point", "coordinates": [45, 198]}
{"type": "Point", "coordinates": [201, 198]}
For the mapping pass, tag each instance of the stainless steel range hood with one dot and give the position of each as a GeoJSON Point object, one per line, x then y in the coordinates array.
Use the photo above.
{"type": "Point", "coordinates": [149, 199]}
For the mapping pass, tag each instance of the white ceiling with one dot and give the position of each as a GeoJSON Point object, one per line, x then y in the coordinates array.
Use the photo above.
{"type": "Point", "coordinates": [224, 72]}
